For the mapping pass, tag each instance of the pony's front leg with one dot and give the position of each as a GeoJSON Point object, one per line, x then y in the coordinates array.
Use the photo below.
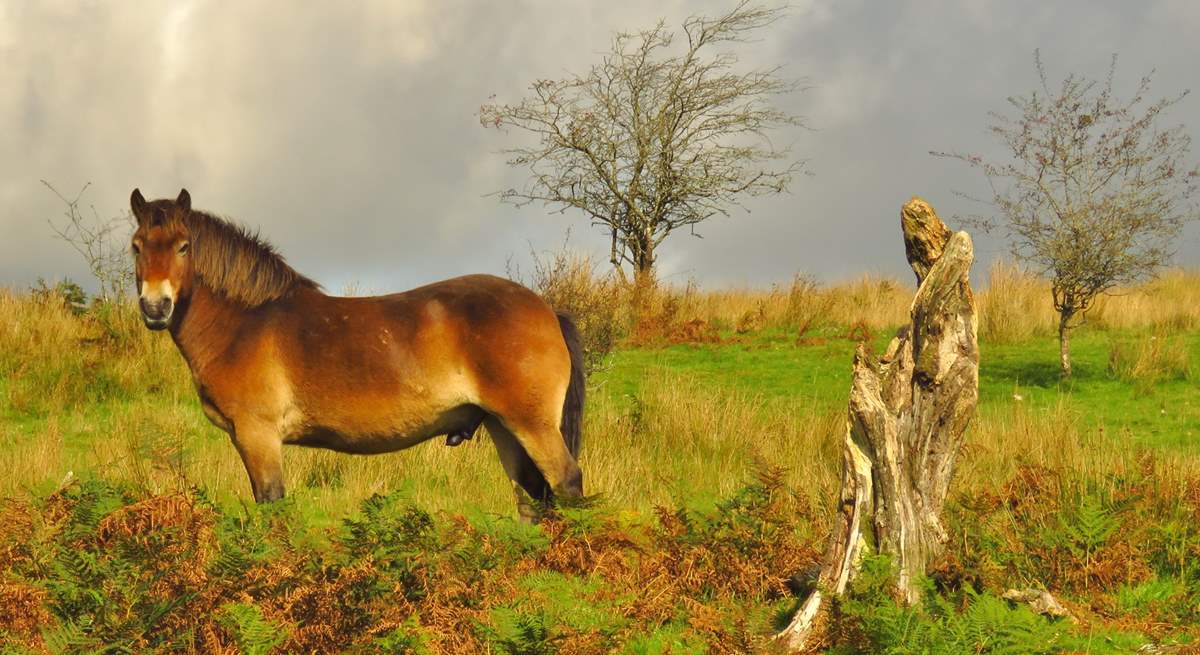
{"type": "Point", "coordinates": [262, 454]}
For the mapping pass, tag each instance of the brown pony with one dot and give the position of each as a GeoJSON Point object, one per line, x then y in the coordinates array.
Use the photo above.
{"type": "Point", "coordinates": [276, 361]}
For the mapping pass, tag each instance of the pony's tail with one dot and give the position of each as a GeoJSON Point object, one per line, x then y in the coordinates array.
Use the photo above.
{"type": "Point", "coordinates": [572, 415]}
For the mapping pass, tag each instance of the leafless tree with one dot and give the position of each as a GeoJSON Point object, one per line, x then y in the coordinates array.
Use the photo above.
{"type": "Point", "coordinates": [659, 136]}
{"type": "Point", "coordinates": [1093, 190]}
{"type": "Point", "coordinates": [103, 243]}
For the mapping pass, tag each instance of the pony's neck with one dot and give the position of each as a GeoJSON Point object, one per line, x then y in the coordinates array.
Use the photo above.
{"type": "Point", "coordinates": [207, 328]}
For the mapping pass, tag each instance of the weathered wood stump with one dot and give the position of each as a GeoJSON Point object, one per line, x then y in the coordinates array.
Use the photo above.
{"type": "Point", "coordinates": [908, 412]}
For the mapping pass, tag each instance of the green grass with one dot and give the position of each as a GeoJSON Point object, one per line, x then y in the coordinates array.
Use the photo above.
{"type": "Point", "coordinates": [772, 368]}
{"type": "Point", "coordinates": [674, 424]}
{"type": "Point", "coordinates": [1164, 415]}
{"type": "Point", "coordinates": [1053, 489]}
{"type": "Point", "coordinates": [766, 365]}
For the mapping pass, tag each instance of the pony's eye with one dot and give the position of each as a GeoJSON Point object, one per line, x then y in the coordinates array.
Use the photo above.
{"type": "Point", "coordinates": [183, 248]}
{"type": "Point", "coordinates": [136, 250]}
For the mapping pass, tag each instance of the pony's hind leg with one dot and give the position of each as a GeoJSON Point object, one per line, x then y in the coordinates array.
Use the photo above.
{"type": "Point", "coordinates": [517, 463]}
{"type": "Point", "coordinates": [262, 454]}
{"type": "Point", "coordinates": [536, 458]}
{"type": "Point", "coordinates": [530, 488]}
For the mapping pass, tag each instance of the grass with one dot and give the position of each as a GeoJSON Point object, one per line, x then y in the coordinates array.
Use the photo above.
{"type": "Point", "coordinates": [1164, 414]}
{"type": "Point", "coordinates": [1087, 487]}
{"type": "Point", "coordinates": [97, 394]}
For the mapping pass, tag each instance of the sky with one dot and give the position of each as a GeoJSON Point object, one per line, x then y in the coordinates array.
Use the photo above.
{"type": "Point", "coordinates": [348, 132]}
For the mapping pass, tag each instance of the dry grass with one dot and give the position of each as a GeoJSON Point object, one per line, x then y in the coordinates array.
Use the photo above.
{"type": "Point", "coordinates": [1146, 360]}
{"type": "Point", "coordinates": [98, 393]}
{"type": "Point", "coordinates": [1016, 305]}
{"type": "Point", "coordinates": [1013, 306]}
{"type": "Point", "coordinates": [877, 302]}
{"type": "Point", "coordinates": [1008, 437]}
{"type": "Point", "coordinates": [611, 310]}
{"type": "Point", "coordinates": [1170, 302]}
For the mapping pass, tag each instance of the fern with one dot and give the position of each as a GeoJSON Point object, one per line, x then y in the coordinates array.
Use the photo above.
{"type": "Point", "coordinates": [16, 649]}
{"type": "Point", "coordinates": [254, 536]}
{"type": "Point", "coordinates": [72, 637]}
{"type": "Point", "coordinates": [670, 639]}
{"type": "Point", "coordinates": [987, 625]}
{"type": "Point", "coordinates": [520, 633]}
{"type": "Point", "coordinates": [389, 525]}
{"type": "Point", "coordinates": [991, 625]}
{"type": "Point", "coordinates": [398, 536]}
{"type": "Point", "coordinates": [1144, 597]}
{"type": "Point", "coordinates": [254, 634]}
{"type": "Point", "coordinates": [551, 606]}
{"type": "Point", "coordinates": [407, 639]}
{"type": "Point", "coordinates": [520, 539]}
{"type": "Point", "coordinates": [1090, 529]}
{"type": "Point", "coordinates": [1093, 524]}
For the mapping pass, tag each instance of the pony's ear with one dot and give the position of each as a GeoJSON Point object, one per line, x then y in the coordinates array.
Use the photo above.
{"type": "Point", "coordinates": [184, 201]}
{"type": "Point", "coordinates": [137, 203]}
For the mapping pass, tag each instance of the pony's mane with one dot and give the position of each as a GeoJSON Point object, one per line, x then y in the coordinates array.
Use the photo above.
{"type": "Point", "coordinates": [239, 265]}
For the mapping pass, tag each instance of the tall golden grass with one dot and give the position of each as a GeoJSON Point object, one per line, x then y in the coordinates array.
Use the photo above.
{"type": "Point", "coordinates": [610, 309]}
{"type": "Point", "coordinates": [100, 394]}
{"type": "Point", "coordinates": [1169, 302]}
{"type": "Point", "coordinates": [876, 302]}
{"type": "Point", "coordinates": [1014, 304]}
{"type": "Point", "coordinates": [81, 395]}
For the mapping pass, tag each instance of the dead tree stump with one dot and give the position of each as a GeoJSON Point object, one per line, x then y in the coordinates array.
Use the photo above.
{"type": "Point", "coordinates": [908, 412]}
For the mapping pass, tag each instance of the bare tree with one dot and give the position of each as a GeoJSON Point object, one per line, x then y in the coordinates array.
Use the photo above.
{"type": "Point", "coordinates": [655, 138]}
{"type": "Point", "coordinates": [103, 243]}
{"type": "Point", "coordinates": [1092, 190]}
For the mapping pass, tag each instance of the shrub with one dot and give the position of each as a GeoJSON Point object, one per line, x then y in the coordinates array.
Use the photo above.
{"type": "Point", "coordinates": [807, 305]}
{"type": "Point", "coordinates": [66, 292]}
{"type": "Point", "coordinates": [570, 284]}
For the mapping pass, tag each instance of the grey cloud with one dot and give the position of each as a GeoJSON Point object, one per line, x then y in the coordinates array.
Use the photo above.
{"type": "Point", "coordinates": [347, 133]}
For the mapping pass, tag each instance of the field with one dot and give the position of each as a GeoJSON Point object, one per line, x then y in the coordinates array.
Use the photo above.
{"type": "Point", "coordinates": [712, 443]}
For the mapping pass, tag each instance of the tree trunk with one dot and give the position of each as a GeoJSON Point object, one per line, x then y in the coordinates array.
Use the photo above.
{"type": "Point", "coordinates": [1064, 343]}
{"type": "Point", "coordinates": [644, 260]}
{"type": "Point", "coordinates": [644, 282]}
{"type": "Point", "coordinates": [908, 412]}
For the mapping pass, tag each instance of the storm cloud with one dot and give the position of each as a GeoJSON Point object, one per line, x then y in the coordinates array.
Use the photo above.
{"type": "Point", "coordinates": [347, 132]}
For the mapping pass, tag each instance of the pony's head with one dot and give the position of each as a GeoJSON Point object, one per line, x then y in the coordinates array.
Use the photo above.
{"type": "Point", "coordinates": [162, 258]}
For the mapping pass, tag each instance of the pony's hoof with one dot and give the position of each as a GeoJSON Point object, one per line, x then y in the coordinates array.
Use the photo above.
{"type": "Point", "coordinates": [456, 439]}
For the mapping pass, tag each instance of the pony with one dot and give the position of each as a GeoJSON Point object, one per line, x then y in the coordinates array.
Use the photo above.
{"type": "Point", "coordinates": [277, 361]}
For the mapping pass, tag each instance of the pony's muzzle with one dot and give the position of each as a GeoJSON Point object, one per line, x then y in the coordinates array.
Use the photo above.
{"type": "Point", "coordinates": [156, 313]}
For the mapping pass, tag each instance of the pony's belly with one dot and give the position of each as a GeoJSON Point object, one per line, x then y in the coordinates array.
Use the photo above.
{"type": "Point", "coordinates": [362, 444]}
{"type": "Point", "coordinates": [398, 436]}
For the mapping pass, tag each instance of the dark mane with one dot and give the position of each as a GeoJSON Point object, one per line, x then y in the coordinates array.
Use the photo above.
{"type": "Point", "coordinates": [238, 264]}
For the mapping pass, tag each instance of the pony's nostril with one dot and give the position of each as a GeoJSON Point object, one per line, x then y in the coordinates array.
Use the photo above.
{"type": "Point", "coordinates": [156, 309]}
